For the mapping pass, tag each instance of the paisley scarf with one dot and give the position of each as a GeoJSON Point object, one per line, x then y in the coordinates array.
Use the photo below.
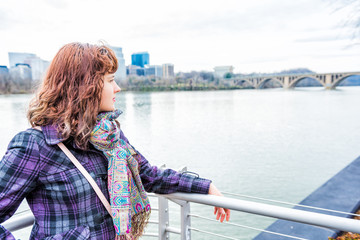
{"type": "Point", "coordinates": [130, 205]}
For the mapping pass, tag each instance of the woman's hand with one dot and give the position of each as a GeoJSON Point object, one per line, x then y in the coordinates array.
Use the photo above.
{"type": "Point", "coordinates": [220, 213]}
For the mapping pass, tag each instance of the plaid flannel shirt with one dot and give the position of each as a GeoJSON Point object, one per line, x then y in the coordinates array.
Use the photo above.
{"type": "Point", "coordinates": [64, 204]}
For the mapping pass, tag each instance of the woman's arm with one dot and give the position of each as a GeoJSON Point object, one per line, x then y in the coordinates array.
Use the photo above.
{"type": "Point", "coordinates": [168, 181]}
{"type": "Point", "coordinates": [220, 213]}
{"type": "Point", "coordinates": [18, 173]}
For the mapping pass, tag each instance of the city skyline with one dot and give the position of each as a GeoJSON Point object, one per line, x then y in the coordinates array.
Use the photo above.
{"type": "Point", "coordinates": [262, 36]}
{"type": "Point", "coordinates": [140, 66]}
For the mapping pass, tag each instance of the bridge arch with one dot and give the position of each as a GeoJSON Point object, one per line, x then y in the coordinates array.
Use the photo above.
{"type": "Point", "coordinates": [294, 82]}
{"type": "Point", "coordinates": [240, 81]}
{"type": "Point", "coordinates": [264, 81]}
{"type": "Point", "coordinates": [338, 81]}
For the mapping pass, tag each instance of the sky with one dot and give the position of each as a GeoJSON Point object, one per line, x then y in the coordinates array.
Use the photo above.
{"type": "Point", "coordinates": [262, 36]}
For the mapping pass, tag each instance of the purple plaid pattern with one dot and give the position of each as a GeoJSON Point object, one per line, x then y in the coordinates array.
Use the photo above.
{"type": "Point", "coordinates": [64, 204]}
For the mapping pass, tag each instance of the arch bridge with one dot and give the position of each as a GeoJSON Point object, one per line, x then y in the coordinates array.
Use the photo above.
{"type": "Point", "coordinates": [327, 80]}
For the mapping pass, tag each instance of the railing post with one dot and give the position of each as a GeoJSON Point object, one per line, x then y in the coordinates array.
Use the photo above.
{"type": "Point", "coordinates": [185, 221]}
{"type": "Point", "coordinates": [163, 218]}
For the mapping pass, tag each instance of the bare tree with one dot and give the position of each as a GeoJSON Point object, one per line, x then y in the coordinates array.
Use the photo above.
{"type": "Point", "coordinates": [352, 7]}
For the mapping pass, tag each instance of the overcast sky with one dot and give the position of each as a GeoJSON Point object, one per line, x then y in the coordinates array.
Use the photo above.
{"type": "Point", "coordinates": [252, 36]}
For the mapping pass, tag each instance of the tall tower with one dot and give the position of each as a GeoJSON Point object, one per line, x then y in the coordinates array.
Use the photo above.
{"type": "Point", "coordinates": [168, 70]}
{"type": "Point", "coordinates": [140, 59]}
{"type": "Point", "coordinates": [121, 72]}
{"type": "Point", "coordinates": [37, 65]}
{"type": "Point", "coordinates": [17, 57]}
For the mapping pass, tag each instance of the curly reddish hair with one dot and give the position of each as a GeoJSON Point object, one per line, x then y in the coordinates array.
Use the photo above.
{"type": "Point", "coordinates": [70, 94]}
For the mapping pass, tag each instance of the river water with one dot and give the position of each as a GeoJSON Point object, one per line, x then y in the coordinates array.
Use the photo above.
{"type": "Point", "coordinates": [273, 143]}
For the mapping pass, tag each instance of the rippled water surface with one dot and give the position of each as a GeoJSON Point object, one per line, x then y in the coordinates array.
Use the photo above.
{"type": "Point", "coordinates": [277, 144]}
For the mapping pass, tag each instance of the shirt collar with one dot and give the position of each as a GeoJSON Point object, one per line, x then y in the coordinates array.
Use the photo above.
{"type": "Point", "coordinates": [52, 137]}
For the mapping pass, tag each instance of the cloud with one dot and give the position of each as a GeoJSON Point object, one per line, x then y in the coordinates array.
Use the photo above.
{"type": "Point", "coordinates": [323, 38]}
{"type": "Point", "coordinates": [56, 4]}
{"type": "Point", "coordinates": [4, 20]}
{"type": "Point", "coordinates": [192, 34]}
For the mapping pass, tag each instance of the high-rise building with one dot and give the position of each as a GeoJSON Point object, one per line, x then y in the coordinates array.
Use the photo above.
{"type": "Point", "coordinates": [121, 71]}
{"type": "Point", "coordinates": [140, 59]}
{"type": "Point", "coordinates": [154, 70]}
{"type": "Point", "coordinates": [135, 70]}
{"type": "Point", "coordinates": [4, 70]}
{"type": "Point", "coordinates": [168, 70]}
{"type": "Point", "coordinates": [38, 67]}
{"type": "Point", "coordinates": [21, 72]}
{"type": "Point", "coordinates": [17, 57]}
{"type": "Point", "coordinates": [20, 78]}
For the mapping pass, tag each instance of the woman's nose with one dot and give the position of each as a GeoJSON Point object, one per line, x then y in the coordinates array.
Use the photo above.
{"type": "Point", "coordinates": [117, 88]}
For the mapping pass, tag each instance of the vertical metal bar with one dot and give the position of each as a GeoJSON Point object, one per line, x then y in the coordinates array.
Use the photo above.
{"type": "Point", "coordinates": [163, 218]}
{"type": "Point", "coordinates": [185, 221]}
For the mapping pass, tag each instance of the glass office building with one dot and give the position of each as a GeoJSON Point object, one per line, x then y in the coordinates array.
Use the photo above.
{"type": "Point", "coordinates": [37, 65]}
{"type": "Point", "coordinates": [140, 59]}
{"type": "Point", "coordinates": [121, 71]}
{"type": "Point", "coordinates": [4, 70]}
{"type": "Point", "coordinates": [168, 70]}
{"type": "Point", "coordinates": [17, 57]}
{"type": "Point", "coordinates": [154, 70]}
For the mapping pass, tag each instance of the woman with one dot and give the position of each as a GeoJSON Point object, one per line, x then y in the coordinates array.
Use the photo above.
{"type": "Point", "coordinates": [78, 88]}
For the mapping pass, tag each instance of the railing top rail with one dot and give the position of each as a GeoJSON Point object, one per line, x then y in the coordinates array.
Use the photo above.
{"type": "Point", "coordinates": [317, 219]}
{"type": "Point", "coordinates": [291, 204]}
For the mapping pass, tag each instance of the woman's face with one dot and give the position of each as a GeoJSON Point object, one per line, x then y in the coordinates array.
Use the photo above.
{"type": "Point", "coordinates": [108, 93]}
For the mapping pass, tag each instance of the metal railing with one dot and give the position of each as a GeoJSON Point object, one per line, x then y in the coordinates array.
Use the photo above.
{"type": "Point", "coordinates": [184, 199]}
{"type": "Point", "coordinates": [302, 216]}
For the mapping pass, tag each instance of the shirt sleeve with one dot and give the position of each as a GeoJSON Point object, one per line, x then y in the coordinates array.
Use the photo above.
{"type": "Point", "coordinates": [168, 181]}
{"type": "Point", "coordinates": [18, 174]}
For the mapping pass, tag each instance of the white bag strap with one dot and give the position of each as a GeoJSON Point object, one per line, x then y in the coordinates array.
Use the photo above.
{"type": "Point", "coordinates": [85, 173]}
